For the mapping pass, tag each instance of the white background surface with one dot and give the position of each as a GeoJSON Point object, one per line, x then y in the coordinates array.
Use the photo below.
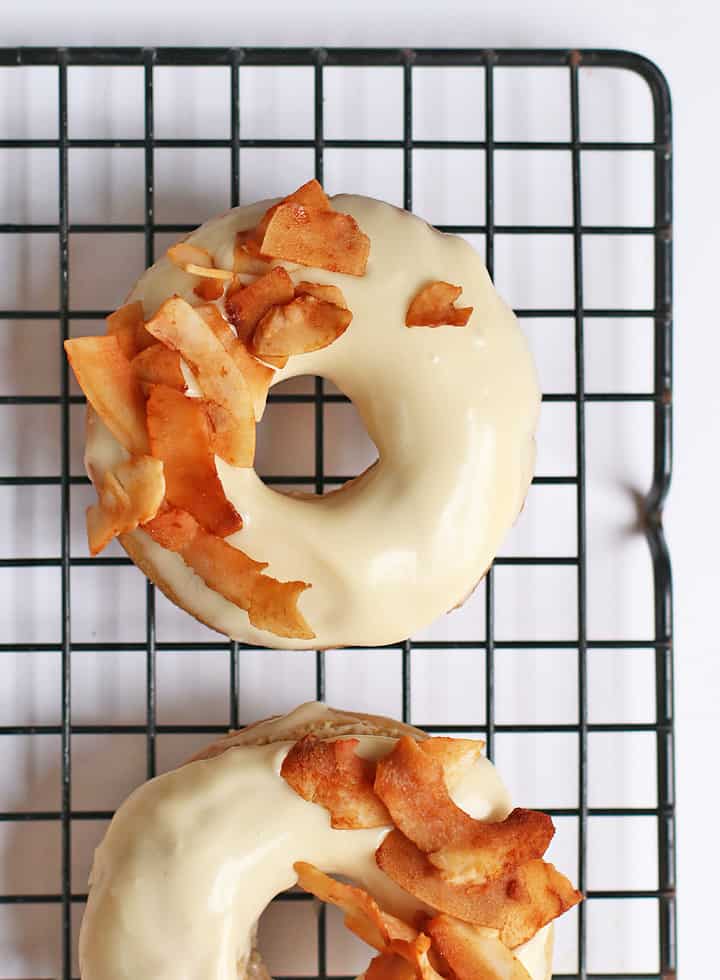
{"type": "Point", "coordinates": [681, 39]}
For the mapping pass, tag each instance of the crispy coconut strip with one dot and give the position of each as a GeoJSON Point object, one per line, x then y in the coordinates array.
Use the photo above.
{"type": "Point", "coordinates": [108, 380]}
{"type": "Point", "coordinates": [519, 904]}
{"type": "Point", "coordinates": [180, 436]}
{"type": "Point", "coordinates": [319, 238]}
{"type": "Point", "coordinates": [363, 915]}
{"type": "Point", "coordinates": [310, 194]}
{"type": "Point", "coordinates": [245, 255]}
{"type": "Point", "coordinates": [412, 785]}
{"type": "Point", "coordinates": [258, 376]}
{"type": "Point", "coordinates": [209, 289]}
{"type": "Point", "coordinates": [224, 275]}
{"type": "Point", "coordinates": [415, 952]}
{"type": "Point", "coordinates": [245, 306]}
{"type": "Point", "coordinates": [330, 294]}
{"type": "Point", "coordinates": [234, 575]}
{"type": "Point", "coordinates": [181, 328]}
{"type": "Point", "coordinates": [474, 952]}
{"type": "Point", "coordinates": [434, 306]}
{"type": "Point", "coordinates": [184, 254]}
{"type": "Point", "coordinates": [156, 365]}
{"type": "Point", "coordinates": [305, 325]}
{"type": "Point", "coordinates": [128, 325]}
{"type": "Point", "coordinates": [130, 495]}
{"type": "Point", "coordinates": [332, 775]}
{"type": "Point", "coordinates": [455, 755]}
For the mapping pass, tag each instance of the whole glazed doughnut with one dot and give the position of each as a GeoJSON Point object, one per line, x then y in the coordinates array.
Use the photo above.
{"type": "Point", "coordinates": [451, 407]}
{"type": "Point", "coordinates": [193, 857]}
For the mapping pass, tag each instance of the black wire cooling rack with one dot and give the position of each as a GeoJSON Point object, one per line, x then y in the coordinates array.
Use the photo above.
{"type": "Point", "coordinates": [485, 62]}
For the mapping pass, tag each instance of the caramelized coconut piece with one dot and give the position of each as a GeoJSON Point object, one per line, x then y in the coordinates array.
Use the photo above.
{"type": "Point", "coordinates": [245, 306]}
{"type": "Point", "coordinates": [412, 785]}
{"type": "Point", "coordinates": [209, 289]}
{"type": "Point", "coordinates": [363, 915]}
{"type": "Point", "coordinates": [328, 293]}
{"type": "Point", "coordinates": [197, 261]}
{"type": "Point", "coordinates": [474, 952]}
{"type": "Point", "coordinates": [233, 574]}
{"type": "Point", "coordinates": [434, 306]}
{"type": "Point", "coordinates": [180, 436]}
{"type": "Point", "coordinates": [157, 365]}
{"type": "Point", "coordinates": [306, 324]}
{"type": "Point", "coordinates": [455, 755]}
{"type": "Point", "coordinates": [130, 495]}
{"type": "Point", "coordinates": [388, 966]}
{"type": "Point", "coordinates": [518, 904]}
{"type": "Point", "coordinates": [108, 380]}
{"type": "Point", "coordinates": [319, 238]}
{"type": "Point", "coordinates": [332, 775]}
{"type": "Point", "coordinates": [177, 325]}
{"type": "Point", "coordinates": [257, 375]}
{"type": "Point", "coordinates": [128, 326]}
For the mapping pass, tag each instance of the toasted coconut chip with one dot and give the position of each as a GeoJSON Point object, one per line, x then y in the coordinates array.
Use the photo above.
{"type": "Point", "coordinates": [127, 324]}
{"type": "Point", "coordinates": [363, 915]}
{"type": "Point", "coordinates": [474, 952]}
{"type": "Point", "coordinates": [495, 848]}
{"type": "Point", "coordinates": [183, 254]}
{"type": "Point", "coordinates": [233, 574]}
{"type": "Point", "coordinates": [245, 306]}
{"type": "Point", "coordinates": [332, 775]}
{"type": "Point", "coordinates": [415, 952]}
{"type": "Point", "coordinates": [246, 255]}
{"type": "Point", "coordinates": [310, 194]}
{"type": "Point", "coordinates": [277, 362]}
{"type": "Point", "coordinates": [156, 365]}
{"type": "Point", "coordinates": [172, 528]}
{"type": "Point", "coordinates": [305, 325]}
{"type": "Point", "coordinates": [225, 275]}
{"type": "Point", "coordinates": [412, 785]}
{"type": "Point", "coordinates": [180, 436]}
{"type": "Point", "coordinates": [209, 289]}
{"type": "Point", "coordinates": [387, 966]}
{"type": "Point", "coordinates": [274, 608]}
{"type": "Point", "coordinates": [130, 494]}
{"type": "Point", "coordinates": [108, 380]}
{"type": "Point", "coordinates": [181, 328]}
{"type": "Point", "coordinates": [319, 238]}
{"type": "Point", "coordinates": [258, 376]}
{"type": "Point", "coordinates": [330, 294]}
{"type": "Point", "coordinates": [455, 755]}
{"type": "Point", "coordinates": [519, 904]}
{"type": "Point", "coordinates": [433, 307]}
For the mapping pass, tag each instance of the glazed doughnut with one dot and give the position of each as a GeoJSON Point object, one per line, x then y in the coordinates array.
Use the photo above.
{"type": "Point", "coordinates": [451, 407]}
{"type": "Point", "coordinates": [193, 857]}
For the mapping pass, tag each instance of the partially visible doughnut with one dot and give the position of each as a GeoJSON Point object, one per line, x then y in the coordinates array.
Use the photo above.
{"type": "Point", "coordinates": [193, 857]}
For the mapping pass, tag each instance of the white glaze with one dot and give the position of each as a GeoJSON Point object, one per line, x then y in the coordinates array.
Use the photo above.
{"type": "Point", "coordinates": [451, 410]}
{"type": "Point", "coordinates": [192, 858]}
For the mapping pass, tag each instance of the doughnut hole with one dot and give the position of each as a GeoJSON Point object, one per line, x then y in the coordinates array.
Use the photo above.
{"type": "Point", "coordinates": [287, 437]}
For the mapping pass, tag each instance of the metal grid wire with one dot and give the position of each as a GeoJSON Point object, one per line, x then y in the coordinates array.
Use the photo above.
{"type": "Point", "coordinates": [484, 61]}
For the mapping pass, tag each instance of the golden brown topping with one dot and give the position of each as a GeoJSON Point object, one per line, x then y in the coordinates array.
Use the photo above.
{"type": "Point", "coordinates": [130, 494]}
{"type": "Point", "coordinates": [184, 254]}
{"type": "Point", "coordinates": [363, 916]}
{"type": "Point", "coordinates": [320, 238]}
{"type": "Point", "coordinates": [332, 775]}
{"type": "Point", "coordinates": [181, 328]}
{"type": "Point", "coordinates": [387, 966]}
{"type": "Point", "coordinates": [411, 783]}
{"type": "Point", "coordinates": [108, 380]}
{"type": "Point", "coordinates": [128, 326]}
{"type": "Point", "coordinates": [434, 306]}
{"type": "Point", "coordinates": [246, 255]}
{"type": "Point", "coordinates": [257, 376]}
{"type": "Point", "coordinates": [517, 904]}
{"type": "Point", "coordinates": [156, 365]}
{"type": "Point", "coordinates": [270, 604]}
{"type": "Point", "coordinates": [474, 952]}
{"type": "Point", "coordinates": [306, 324]}
{"type": "Point", "coordinates": [330, 294]}
{"type": "Point", "coordinates": [246, 305]}
{"type": "Point", "coordinates": [455, 755]}
{"type": "Point", "coordinates": [180, 436]}
{"type": "Point", "coordinates": [209, 289]}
